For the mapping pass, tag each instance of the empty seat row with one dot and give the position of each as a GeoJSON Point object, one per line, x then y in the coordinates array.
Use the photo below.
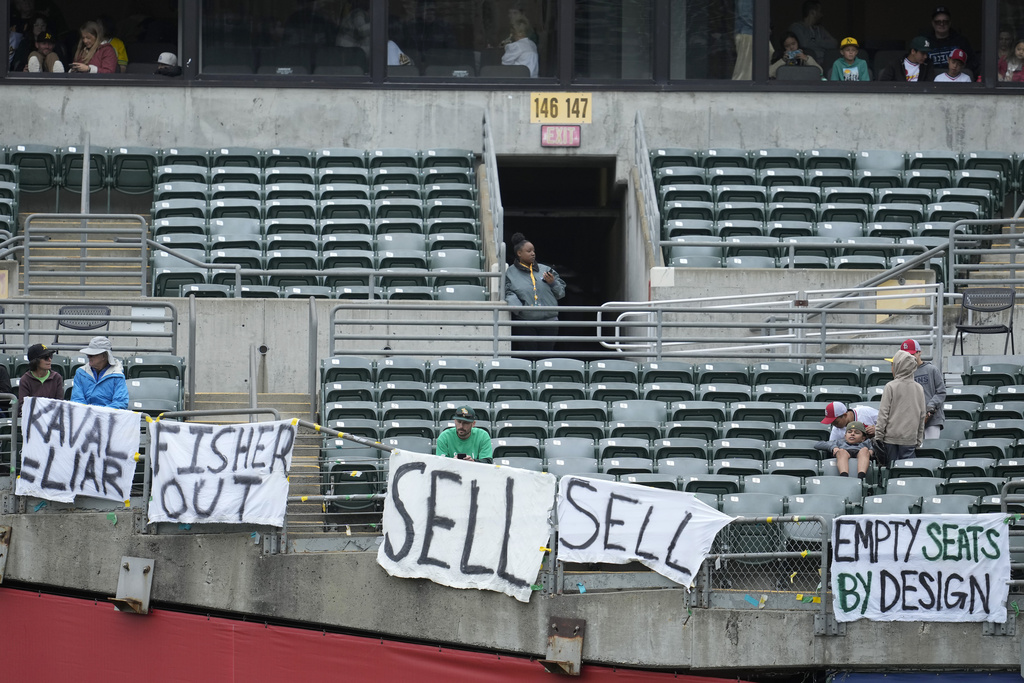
{"type": "Point", "coordinates": [327, 181]}
{"type": "Point", "coordinates": [131, 169]}
{"type": "Point", "coordinates": [781, 158]}
{"type": "Point", "coordinates": [759, 212]}
{"type": "Point", "coordinates": [442, 293]}
{"type": "Point", "coordinates": [777, 197]}
{"type": "Point", "coordinates": [324, 228]}
{"type": "Point", "coordinates": [311, 209]}
{"type": "Point", "coordinates": [381, 244]}
{"type": "Point", "coordinates": [831, 230]}
{"type": "Point", "coordinates": [342, 368]}
{"type": "Point", "coordinates": [274, 188]}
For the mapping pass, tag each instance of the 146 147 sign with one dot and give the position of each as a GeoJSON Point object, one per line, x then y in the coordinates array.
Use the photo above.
{"type": "Point", "coordinates": [560, 107]}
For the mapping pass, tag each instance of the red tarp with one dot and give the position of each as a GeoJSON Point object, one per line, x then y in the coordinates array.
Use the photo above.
{"type": "Point", "coordinates": [50, 637]}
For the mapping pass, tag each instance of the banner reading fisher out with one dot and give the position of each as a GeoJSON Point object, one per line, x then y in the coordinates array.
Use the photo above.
{"type": "Point", "coordinates": [71, 449]}
{"type": "Point", "coordinates": [466, 524]}
{"type": "Point", "coordinates": [920, 567]}
{"type": "Point", "coordinates": [211, 473]}
{"type": "Point", "coordinates": [603, 521]}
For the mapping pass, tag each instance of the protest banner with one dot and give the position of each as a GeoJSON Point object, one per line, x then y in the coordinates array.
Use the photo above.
{"type": "Point", "coordinates": [920, 567]}
{"type": "Point", "coordinates": [210, 473]}
{"type": "Point", "coordinates": [466, 524]}
{"type": "Point", "coordinates": [604, 521]}
{"type": "Point", "coordinates": [71, 449]}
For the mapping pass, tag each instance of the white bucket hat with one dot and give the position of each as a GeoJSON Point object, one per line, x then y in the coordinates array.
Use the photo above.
{"type": "Point", "coordinates": [98, 345]}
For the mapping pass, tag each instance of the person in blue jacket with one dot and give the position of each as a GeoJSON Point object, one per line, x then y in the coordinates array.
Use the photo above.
{"type": "Point", "coordinates": [101, 382]}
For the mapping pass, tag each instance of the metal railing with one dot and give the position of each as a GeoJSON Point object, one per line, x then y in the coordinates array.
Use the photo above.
{"type": "Point", "coordinates": [789, 325]}
{"type": "Point", "coordinates": [495, 206]}
{"type": "Point", "coordinates": [132, 327]}
{"type": "Point", "coordinates": [649, 209]}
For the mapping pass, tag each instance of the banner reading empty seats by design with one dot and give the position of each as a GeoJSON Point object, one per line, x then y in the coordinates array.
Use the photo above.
{"type": "Point", "coordinates": [71, 449]}
{"type": "Point", "coordinates": [920, 567]}
{"type": "Point", "coordinates": [211, 473]}
{"type": "Point", "coordinates": [604, 521]}
{"type": "Point", "coordinates": [466, 524]}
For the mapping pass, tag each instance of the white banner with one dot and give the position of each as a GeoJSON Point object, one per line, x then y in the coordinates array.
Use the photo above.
{"type": "Point", "coordinates": [210, 473]}
{"type": "Point", "coordinates": [603, 521]}
{"type": "Point", "coordinates": [466, 524]}
{"type": "Point", "coordinates": [920, 567]}
{"type": "Point", "coordinates": [71, 449]}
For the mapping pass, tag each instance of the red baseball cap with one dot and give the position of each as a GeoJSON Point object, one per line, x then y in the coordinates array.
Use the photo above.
{"type": "Point", "coordinates": [832, 411]}
{"type": "Point", "coordinates": [910, 346]}
{"type": "Point", "coordinates": [958, 55]}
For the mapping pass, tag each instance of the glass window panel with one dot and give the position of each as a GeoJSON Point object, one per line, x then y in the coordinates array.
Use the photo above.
{"type": "Point", "coordinates": [614, 39]}
{"type": "Point", "coordinates": [457, 39]}
{"type": "Point", "coordinates": [289, 37]}
{"type": "Point", "coordinates": [705, 38]}
{"type": "Point", "coordinates": [1010, 43]}
{"type": "Point", "coordinates": [139, 36]}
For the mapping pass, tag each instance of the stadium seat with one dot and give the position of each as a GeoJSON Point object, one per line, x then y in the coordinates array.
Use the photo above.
{"type": "Point", "coordinates": [504, 392]}
{"type": "Point", "coordinates": [995, 448]}
{"type": "Point", "coordinates": [525, 409]}
{"type": "Point", "coordinates": [822, 504]}
{"type": "Point", "coordinates": [1006, 428]}
{"type": "Point", "coordinates": [560, 467]}
{"type": "Point", "coordinates": [891, 504]}
{"type": "Point", "coordinates": [778, 484]}
{"type": "Point", "coordinates": [780, 393]}
{"type": "Point", "coordinates": [722, 449]}
{"type": "Point", "coordinates": [1000, 410]}
{"type": "Point", "coordinates": [914, 486]}
{"type": "Point", "coordinates": [674, 156]}
{"type": "Point", "coordinates": [611, 463]}
{"type": "Point", "coordinates": [717, 484]}
{"type": "Point", "coordinates": [508, 369]}
{"type": "Point", "coordinates": [37, 166]}
{"type": "Point", "coordinates": [828, 158]}
{"type": "Point", "coordinates": [455, 392]}
{"type": "Point", "coordinates": [569, 448]}
{"type": "Point", "coordinates": [518, 447]}
{"type": "Point", "coordinates": [154, 365]}
{"type": "Point", "coordinates": [679, 448]}
{"type": "Point", "coordinates": [519, 462]}
{"type": "Point", "coordinates": [793, 467]}
{"type": "Point", "coordinates": [748, 429]}
{"type": "Point", "coordinates": [781, 177]}
{"type": "Point", "coordinates": [949, 504]}
{"type": "Point", "coordinates": [533, 429]}
{"type": "Point", "coordinates": [794, 448]}
{"type": "Point", "coordinates": [705, 430]}
{"type": "Point", "coordinates": [132, 169]}
{"type": "Point", "coordinates": [697, 410]}
{"type": "Point", "coordinates": [737, 466]}
{"type": "Point", "coordinates": [613, 391]}
{"type": "Point", "coordinates": [658, 481]}
{"type": "Point", "coordinates": [775, 158]}
{"type": "Point", "coordinates": [777, 372]}
{"type": "Point", "coordinates": [151, 390]}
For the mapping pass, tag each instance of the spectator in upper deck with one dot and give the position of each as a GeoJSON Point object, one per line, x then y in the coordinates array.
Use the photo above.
{"type": "Point", "coordinates": [94, 53]}
{"type": "Point", "coordinates": [110, 30]}
{"type": "Point", "coordinates": [915, 67]}
{"type": "Point", "coordinates": [943, 40]}
{"type": "Point", "coordinates": [45, 57]}
{"type": "Point", "coordinates": [809, 32]}
{"type": "Point", "coordinates": [521, 51]}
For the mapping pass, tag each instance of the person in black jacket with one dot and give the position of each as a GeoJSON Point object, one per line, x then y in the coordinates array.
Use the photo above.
{"type": "Point", "coordinates": [915, 67]}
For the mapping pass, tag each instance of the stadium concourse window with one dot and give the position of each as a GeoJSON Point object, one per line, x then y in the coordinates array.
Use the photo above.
{"type": "Point", "coordinates": [491, 39]}
{"type": "Point", "coordinates": [139, 32]}
{"type": "Point", "coordinates": [286, 37]}
{"type": "Point", "coordinates": [614, 40]}
{"type": "Point", "coordinates": [1009, 51]}
{"type": "Point", "coordinates": [710, 40]}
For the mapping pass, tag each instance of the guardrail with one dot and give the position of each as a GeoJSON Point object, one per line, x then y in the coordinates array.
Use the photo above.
{"type": "Point", "coordinates": [649, 209]}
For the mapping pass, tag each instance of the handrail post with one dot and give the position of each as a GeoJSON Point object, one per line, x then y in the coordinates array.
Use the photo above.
{"type": "Point", "coordinates": [314, 333]}
{"type": "Point", "coordinates": [192, 324]}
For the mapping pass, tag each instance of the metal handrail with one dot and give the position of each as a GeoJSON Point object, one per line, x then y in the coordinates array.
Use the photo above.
{"type": "Point", "coordinates": [494, 202]}
{"type": "Point", "coordinates": [642, 162]}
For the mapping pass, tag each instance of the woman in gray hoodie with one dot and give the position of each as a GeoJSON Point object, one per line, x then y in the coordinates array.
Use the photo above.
{"type": "Point", "coordinates": [528, 283]}
{"type": "Point", "coordinates": [901, 415]}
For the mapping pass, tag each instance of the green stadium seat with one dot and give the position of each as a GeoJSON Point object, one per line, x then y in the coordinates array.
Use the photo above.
{"type": "Point", "coordinates": [793, 467]}
{"type": "Point", "coordinates": [584, 467]}
{"type": "Point", "coordinates": [674, 156]}
{"type": "Point", "coordinates": [973, 486]}
{"type": "Point", "coordinates": [930, 179]}
{"type": "Point", "coordinates": [564, 448]}
{"type": "Point", "coordinates": [680, 447]}
{"type": "Point", "coordinates": [718, 484]}
{"type": "Point", "coordinates": [682, 467]}
{"type": "Point", "coordinates": [519, 462]}
{"type": "Point", "coordinates": [725, 157]}
{"type": "Point", "coordinates": [748, 429]}
{"type": "Point", "coordinates": [613, 391]}
{"type": "Point", "coordinates": [668, 392]}
{"type": "Point", "coordinates": [821, 504]}
{"type": "Point", "coordinates": [780, 393]}
{"type": "Point", "coordinates": [794, 448]}
{"type": "Point", "coordinates": [828, 159]}
{"type": "Point", "coordinates": [777, 484]}
{"type": "Point", "coordinates": [951, 504]}
{"type": "Point", "coordinates": [891, 504]}
{"type": "Point", "coordinates": [918, 466]}
{"type": "Point", "coordinates": [532, 429]}
{"type": "Point", "coordinates": [623, 465]}
{"type": "Point", "coordinates": [697, 410]}
{"type": "Point", "coordinates": [705, 430]}
{"type": "Point", "coordinates": [997, 410]}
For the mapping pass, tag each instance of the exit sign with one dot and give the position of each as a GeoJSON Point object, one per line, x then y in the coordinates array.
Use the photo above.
{"type": "Point", "coordinates": [559, 136]}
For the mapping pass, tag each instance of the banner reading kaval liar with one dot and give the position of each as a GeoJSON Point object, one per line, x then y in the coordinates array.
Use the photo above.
{"type": "Point", "coordinates": [72, 449]}
{"type": "Point", "coordinates": [920, 567]}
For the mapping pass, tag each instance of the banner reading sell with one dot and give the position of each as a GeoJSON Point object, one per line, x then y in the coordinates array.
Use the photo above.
{"type": "Point", "coordinates": [920, 567]}
{"type": "Point", "coordinates": [71, 449]}
{"type": "Point", "coordinates": [602, 521]}
{"type": "Point", "coordinates": [230, 474]}
{"type": "Point", "coordinates": [466, 524]}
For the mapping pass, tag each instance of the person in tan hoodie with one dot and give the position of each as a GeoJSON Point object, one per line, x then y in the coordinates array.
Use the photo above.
{"type": "Point", "coordinates": [899, 429]}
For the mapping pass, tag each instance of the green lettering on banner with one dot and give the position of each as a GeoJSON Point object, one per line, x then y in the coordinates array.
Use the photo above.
{"type": "Point", "coordinates": [991, 535]}
{"type": "Point", "coordinates": [848, 585]}
{"type": "Point", "coordinates": [934, 533]}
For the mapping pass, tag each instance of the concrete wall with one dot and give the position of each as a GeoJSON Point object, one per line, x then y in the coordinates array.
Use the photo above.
{"type": "Point", "coordinates": [349, 590]}
{"type": "Point", "coordinates": [265, 117]}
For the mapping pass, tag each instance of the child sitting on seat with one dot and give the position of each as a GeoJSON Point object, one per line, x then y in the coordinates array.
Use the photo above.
{"type": "Point", "coordinates": [855, 443]}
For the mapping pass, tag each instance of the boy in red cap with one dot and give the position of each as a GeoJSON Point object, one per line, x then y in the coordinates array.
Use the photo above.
{"type": "Point", "coordinates": [954, 69]}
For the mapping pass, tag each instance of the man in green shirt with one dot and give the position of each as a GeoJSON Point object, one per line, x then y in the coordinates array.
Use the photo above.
{"type": "Point", "coordinates": [464, 441]}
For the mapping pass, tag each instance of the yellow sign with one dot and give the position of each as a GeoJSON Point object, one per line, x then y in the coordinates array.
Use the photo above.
{"type": "Point", "coordinates": [560, 107]}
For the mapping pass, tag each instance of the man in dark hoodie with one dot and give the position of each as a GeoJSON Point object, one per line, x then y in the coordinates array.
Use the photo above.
{"type": "Point", "coordinates": [930, 379]}
{"type": "Point", "coordinates": [901, 414]}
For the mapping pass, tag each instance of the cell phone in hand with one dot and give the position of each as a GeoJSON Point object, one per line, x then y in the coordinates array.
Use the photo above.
{"type": "Point", "coordinates": [463, 456]}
